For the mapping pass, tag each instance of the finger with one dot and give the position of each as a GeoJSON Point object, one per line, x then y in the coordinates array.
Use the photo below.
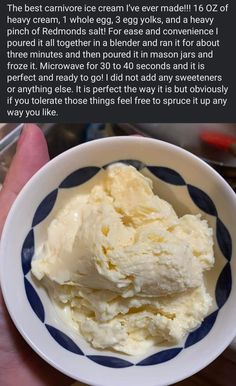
{"type": "Point", "coordinates": [31, 155]}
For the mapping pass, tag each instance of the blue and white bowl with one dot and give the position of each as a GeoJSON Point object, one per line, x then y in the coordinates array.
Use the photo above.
{"type": "Point", "coordinates": [179, 177]}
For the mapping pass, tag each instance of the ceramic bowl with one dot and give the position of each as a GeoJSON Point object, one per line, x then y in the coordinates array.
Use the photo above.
{"type": "Point", "coordinates": [179, 177]}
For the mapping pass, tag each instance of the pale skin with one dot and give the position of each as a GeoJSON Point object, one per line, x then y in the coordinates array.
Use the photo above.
{"type": "Point", "coordinates": [19, 365]}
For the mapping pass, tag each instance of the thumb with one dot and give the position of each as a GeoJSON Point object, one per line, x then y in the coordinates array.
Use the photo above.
{"type": "Point", "coordinates": [31, 155]}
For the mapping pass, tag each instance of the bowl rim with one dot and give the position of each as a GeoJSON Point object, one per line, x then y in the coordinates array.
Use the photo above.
{"type": "Point", "coordinates": [38, 176]}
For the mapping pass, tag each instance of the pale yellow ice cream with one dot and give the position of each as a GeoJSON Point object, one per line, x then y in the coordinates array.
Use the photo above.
{"type": "Point", "coordinates": [128, 271]}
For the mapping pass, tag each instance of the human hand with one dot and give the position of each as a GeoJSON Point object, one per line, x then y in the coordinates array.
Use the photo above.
{"type": "Point", "coordinates": [19, 365]}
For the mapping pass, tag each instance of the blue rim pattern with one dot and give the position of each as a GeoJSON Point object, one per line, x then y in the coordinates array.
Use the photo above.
{"type": "Point", "coordinates": [203, 202]}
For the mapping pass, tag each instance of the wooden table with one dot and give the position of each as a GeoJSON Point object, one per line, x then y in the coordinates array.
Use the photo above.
{"type": "Point", "coordinates": [221, 372]}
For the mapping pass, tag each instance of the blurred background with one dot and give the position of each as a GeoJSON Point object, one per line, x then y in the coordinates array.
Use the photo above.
{"type": "Point", "coordinates": [215, 143]}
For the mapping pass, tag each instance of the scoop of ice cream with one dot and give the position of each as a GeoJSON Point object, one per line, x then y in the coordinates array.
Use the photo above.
{"type": "Point", "coordinates": [131, 325]}
{"type": "Point", "coordinates": [125, 247]}
{"type": "Point", "coordinates": [133, 197]}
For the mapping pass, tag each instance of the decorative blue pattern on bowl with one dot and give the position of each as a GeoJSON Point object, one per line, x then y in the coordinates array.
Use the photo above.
{"type": "Point", "coordinates": [200, 199]}
{"type": "Point", "coordinates": [166, 174]}
{"type": "Point", "coordinates": [201, 331]}
{"type": "Point", "coordinates": [160, 357]}
{"type": "Point", "coordinates": [79, 177]}
{"type": "Point", "coordinates": [45, 208]}
{"type": "Point", "coordinates": [224, 239]}
{"type": "Point", "coordinates": [34, 300]}
{"type": "Point", "coordinates": [27, 252]}
{"type": "Point", "coordinates": [116, 363]}
{"type": "Point", "coordinates": [223, 286]}
{"type": "Point", "coordinates": [63, 340]}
